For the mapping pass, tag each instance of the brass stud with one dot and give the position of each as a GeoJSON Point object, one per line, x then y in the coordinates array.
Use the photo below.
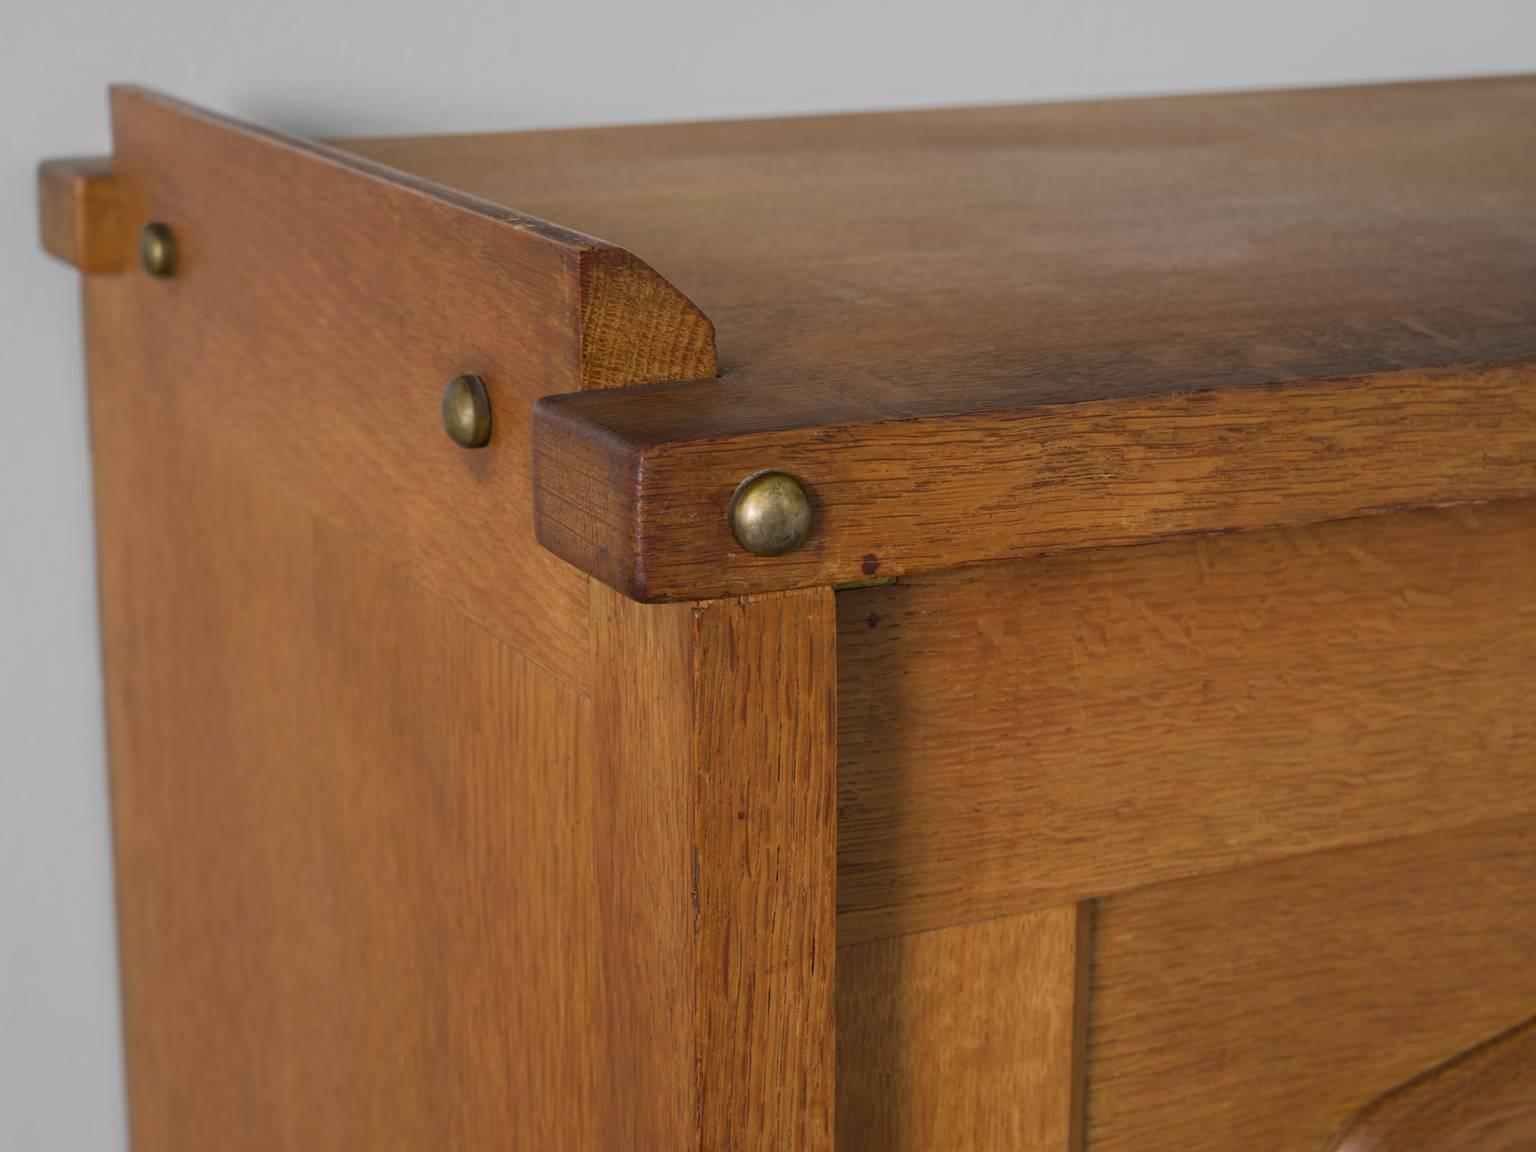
{"type": "Point", "coordinates": [157, 249]}
{"type": "Point", "coordinates": [770, 513]}
{"type": "Point", "coordinates": [467, 412]}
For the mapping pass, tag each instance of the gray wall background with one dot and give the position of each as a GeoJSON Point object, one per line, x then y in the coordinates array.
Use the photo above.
{"type": "Point", "coordinates": [338, 67]}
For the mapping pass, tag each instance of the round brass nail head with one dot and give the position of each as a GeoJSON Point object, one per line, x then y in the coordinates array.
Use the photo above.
{"type": "Point", "coordinates": [157, 249]}
{"type": "Point", "coordinates": [770, 514]}
{"type": "Point", "coordinates": [467, 412]}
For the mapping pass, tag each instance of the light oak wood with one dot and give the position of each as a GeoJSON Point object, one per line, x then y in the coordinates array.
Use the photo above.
{"type": "Point", "coordinates": [635, 487]}
{"type": "Point", "coordinates": [729, 710]}
{"type": "Point", "coordinates": [1023, 736]}
{"type": "Point", "coordinates": [643, 810]}
{"type": "Point", "coordinates": [354, 832]}
{"type": "Point", "coordinates": [80, 214]}
{"type": "Point", "coordinates": [388, 879]}
{"type": "Point", "coordinates": [1263, 1008]}
{"type": "Point", "coordinates": [765, 691]}
{"type": "Point", "coordinates": [963, 1038]}
{"type": "Point", "coordinates": [427, 839]}
{"type": "Point", "coordinates": [1484, 1101]}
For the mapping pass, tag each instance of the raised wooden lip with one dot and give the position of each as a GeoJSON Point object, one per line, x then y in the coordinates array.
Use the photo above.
{"type": "Point", "coordinates": [89, 215]}
{"type": "Point", "coordinates": [633, 486]}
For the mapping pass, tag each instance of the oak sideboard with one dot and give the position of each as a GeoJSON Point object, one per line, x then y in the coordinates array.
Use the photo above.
{"type": "Point", "coordinates": [1004, 628]}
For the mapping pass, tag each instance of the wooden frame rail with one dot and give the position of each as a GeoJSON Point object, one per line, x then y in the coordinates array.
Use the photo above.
{"type": "Point", "coordinates": [634, 486]}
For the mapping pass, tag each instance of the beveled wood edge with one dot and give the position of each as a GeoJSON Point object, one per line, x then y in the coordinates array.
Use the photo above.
{"type": "Point", "coordinates": [633, 486]}
{"type": "Point", "coordinates": [537, 229]}
{"type": "Point", "coordinates": [618, 287]}
{"type": "Point", "coordinates": [1483, 1100]}
{"type": "Point", "coordinates": [80, 214]}
{"type": "Point", "coordinates": [636, 327]}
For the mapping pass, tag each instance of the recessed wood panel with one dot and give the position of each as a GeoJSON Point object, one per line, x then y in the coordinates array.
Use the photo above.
{"type": "Point", "coordinates": [1021, 736]}
{"type": "Point", "coordinates": [962, 1038]}
{"type": "Point", "coordinates": [1263, 1008]}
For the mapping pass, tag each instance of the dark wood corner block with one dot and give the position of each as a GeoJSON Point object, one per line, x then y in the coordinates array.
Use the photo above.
{"type": "Point", "coordinates": [634, 486]}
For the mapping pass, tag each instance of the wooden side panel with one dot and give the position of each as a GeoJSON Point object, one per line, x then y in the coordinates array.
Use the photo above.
{"type": "Point", "coordinates": [727, 711]}
{"type": "Point", "coordinates": [381, 884]}
{"type": "Point", "coordinates": [962, 1038]}
{"type": "Point", "coordinates": [320, 305]}
{"type": "Point", "coordinates": [315, 317]}
{"type": "Point", "coordinates": [1484, 1101]}
{"type": "Point", "coordinates": [355, 832]}
{"type": "Point", "coordinates": [1263, 1008]}
{"type": "Point", "coordinates": [1018, 737]}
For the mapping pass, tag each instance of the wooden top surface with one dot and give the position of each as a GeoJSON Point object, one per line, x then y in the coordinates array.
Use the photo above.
{"type": "Point", "coordinates": [991, 257]}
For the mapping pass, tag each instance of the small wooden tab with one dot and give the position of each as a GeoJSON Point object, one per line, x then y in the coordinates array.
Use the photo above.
{"type": "Point", "coordinates": [80, 214]}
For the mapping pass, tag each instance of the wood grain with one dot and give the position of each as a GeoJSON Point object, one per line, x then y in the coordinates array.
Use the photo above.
{"type": "Point", "coordinates": [322, 303]}
{"type": "Point", "coordinates": [635, 327]}
{"type": "Point", "coordinates": [1302, 292]}
{"type": "Point", "coordinates": [380, 883]}
{"type": "Point", "coordinates": [1023, 736]}
{"type": "Point", "coordinates": [982, 334]}
{"type": "Point", "coordinates": [1484, 1101]}
{"type": "Point", "coordinates": [634, 486]}
{"type": "Point", "coordinates": [963, 1038]}
{"type": "Point", "coordinates": [1012, 254]}
{"type": "Point", "coordinates": [387, 882]}
{"type": "Point", "coordinates": [766, 842]}
{"type": "Point", "coordinates": [642, 780]}
{"type": "Point", "coordinates": [424, 839]}
{"type": "Point", "coordinates": [355, 833]}
{"type": "Point", "coordinates": [1263, 1008]}
{"type": "Point", "coordinates": [80, 214]}
{"type": "Point", "coordinates": [729, 709]}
